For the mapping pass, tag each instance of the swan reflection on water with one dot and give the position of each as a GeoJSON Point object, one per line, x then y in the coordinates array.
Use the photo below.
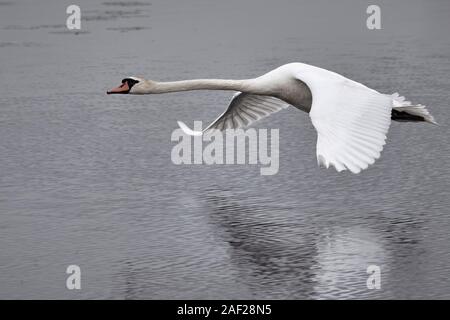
{"type": "Point", "coordinates": [282, 257]}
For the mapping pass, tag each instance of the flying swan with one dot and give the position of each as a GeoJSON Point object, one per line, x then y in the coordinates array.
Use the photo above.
{"type": "Point", "coordinates": [351, 119]}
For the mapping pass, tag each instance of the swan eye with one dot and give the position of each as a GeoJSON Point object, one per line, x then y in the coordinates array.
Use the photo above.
{"type": "Point", "coordinates": [131, 82]}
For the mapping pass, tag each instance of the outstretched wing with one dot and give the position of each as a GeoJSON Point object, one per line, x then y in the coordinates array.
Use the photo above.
{"type": "Point", "coordinates": [351, 120]}
{"type": "Point", "coordinates": [244, 109]}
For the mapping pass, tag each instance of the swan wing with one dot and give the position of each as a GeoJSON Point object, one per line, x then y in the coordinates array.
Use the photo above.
{"type": "Point", "coordinates": [244, 109]}
{"type": "Point", "coordinates": [351, 120]}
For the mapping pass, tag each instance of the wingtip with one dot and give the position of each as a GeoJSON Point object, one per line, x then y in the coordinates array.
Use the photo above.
{"type": "Point", "coordinates": [433, 121]}
{"type": "Point", "coordinates": [188, 131]}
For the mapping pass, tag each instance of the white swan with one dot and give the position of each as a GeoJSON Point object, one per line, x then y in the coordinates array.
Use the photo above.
{"type": "Point", "coordinates": [351, 119]}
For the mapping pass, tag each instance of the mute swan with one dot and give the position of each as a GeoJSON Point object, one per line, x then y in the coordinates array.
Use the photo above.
{"type": "Point", "coordinates": [351, 119]}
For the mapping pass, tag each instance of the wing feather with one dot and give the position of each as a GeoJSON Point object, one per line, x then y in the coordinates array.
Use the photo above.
{"type": "Point", "coordinates": [351, 119]}
{"type": "Point", "coordinates": [245, 109]}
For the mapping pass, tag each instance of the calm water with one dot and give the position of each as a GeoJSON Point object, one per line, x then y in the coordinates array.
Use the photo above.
{"type": "Point", "coordinates": [87, 178]}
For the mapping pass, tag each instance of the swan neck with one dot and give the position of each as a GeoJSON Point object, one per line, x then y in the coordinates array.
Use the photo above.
{"type": "Point", "coordinates": [199, 84]}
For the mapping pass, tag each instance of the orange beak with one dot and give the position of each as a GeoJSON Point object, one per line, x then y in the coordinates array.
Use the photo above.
{"type": "Point", "coordinates": [123, 88]}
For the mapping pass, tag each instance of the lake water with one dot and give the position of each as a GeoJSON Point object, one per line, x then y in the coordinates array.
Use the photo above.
{"type": "Point", "coordinates": [87, 178]}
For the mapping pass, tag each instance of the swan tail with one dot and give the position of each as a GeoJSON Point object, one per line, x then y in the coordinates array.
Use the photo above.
{"type": "Point", "coordinates": [187, 130]}
{"type": "Point", "coordinates": [405, 111]}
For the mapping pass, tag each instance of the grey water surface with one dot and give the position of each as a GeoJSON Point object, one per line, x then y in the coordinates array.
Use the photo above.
{"type": "Point", "coordinates": [87, 178]}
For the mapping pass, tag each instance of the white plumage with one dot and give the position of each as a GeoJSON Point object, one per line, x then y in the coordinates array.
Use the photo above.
{"type": "Point", "coordinates": [351, 119]}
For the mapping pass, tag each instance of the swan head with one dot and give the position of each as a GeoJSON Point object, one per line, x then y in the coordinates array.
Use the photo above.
{"type": "Point", "coordinates": [130, 85]}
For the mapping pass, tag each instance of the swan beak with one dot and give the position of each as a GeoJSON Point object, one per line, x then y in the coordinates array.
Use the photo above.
{"type": "Point", "coordinates": [123, 88]}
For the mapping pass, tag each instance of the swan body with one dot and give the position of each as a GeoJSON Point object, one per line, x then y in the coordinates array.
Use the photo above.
{"type": "Point", "coordinates": [351, 119]}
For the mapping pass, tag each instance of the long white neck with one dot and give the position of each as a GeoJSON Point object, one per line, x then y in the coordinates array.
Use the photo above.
{"type": "Point", "coordinates": [247, 85]}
